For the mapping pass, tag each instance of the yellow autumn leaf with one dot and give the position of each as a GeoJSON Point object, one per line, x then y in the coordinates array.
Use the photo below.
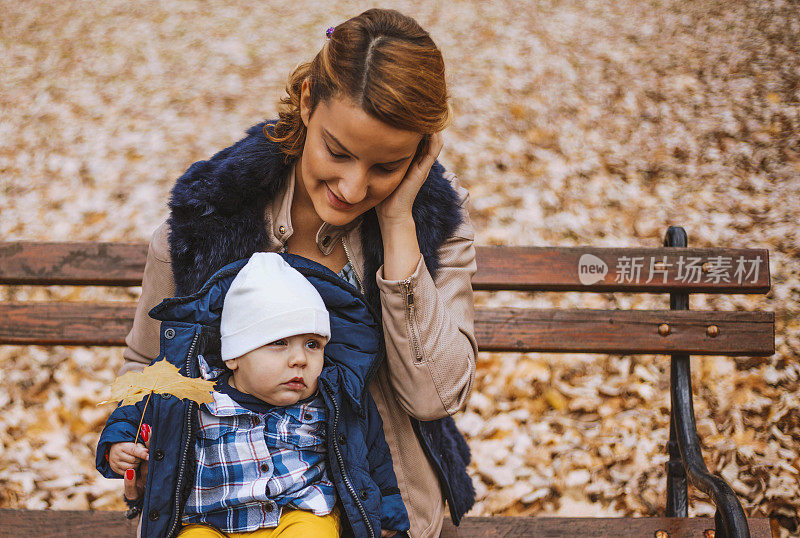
{"type": "Point", "coordinates": [161, 378]}
{"type": "Point", "coordinates": [555, 399]}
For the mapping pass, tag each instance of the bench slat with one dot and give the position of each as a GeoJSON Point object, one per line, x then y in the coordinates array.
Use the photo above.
{"type": "Point", "coordinates": [72, 263]}
{"type": "Point", "coordinates": [498, 329]}
{"type": "Point", "coordinates": [66, 523]}
{"type": "Point", "coordinates": [626, 269]}
{"type": "Point", "coordinates": [70, 523]}
{"type": "Point", "coordinates": [87, 324]}
{"type": "Point", "coordinates": [625, 331]}
{"type": "Point", "coordinates": [499, 268]}
{"type": "Point", "coordinates": [590, 527]}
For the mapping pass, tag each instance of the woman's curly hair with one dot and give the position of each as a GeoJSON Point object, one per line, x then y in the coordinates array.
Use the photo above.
{"type": "Point", "coordinates": [384, 62]}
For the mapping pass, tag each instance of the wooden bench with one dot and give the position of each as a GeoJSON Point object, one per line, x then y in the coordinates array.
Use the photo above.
{"type": "Point", "coordinates": [678, 332]}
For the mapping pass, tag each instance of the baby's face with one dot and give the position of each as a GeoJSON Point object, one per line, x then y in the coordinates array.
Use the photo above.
{"type": "Point", "coordinates": [282, 372]}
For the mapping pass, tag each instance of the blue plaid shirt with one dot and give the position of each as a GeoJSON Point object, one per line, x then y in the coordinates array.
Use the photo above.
{"type": "Point", "coordinates": [254, 459]}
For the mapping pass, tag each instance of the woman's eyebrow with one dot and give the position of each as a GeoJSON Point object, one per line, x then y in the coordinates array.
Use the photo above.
{"type": "Point", "coordinates": [341, 146]}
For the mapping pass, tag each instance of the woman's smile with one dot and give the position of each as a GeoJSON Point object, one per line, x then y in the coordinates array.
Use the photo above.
{"type": "Point", "coordinates": [337, 202]}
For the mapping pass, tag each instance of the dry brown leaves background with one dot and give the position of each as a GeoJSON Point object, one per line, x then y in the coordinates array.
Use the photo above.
{"type": "Point", "coordinates": [576, 123]}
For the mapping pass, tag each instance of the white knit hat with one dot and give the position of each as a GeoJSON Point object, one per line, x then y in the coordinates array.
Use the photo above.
{"type": "Point", "coordinates": [269, 300]}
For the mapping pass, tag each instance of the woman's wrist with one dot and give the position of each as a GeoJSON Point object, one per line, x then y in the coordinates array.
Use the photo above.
{"type": "Point", "coordinates": [400, 247]}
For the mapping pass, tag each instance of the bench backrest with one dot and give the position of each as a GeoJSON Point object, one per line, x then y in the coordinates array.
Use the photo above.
{"type": "Point", "coordinates": [647, 270]}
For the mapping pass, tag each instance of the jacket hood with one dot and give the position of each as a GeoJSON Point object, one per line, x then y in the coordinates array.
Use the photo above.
{"type": "Point", "coordinates": [351, 354]}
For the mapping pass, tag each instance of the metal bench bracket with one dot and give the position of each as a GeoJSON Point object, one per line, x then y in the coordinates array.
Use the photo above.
{"type": "Point", "coordinates": [685, 456]}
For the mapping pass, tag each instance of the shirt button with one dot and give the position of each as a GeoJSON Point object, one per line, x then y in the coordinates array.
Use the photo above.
{"type": "Point", "coordinates": [264, 467]}
{"type": "Point", "coordinates": [268, 506]}
{"type": "Point", "coordinates": [159, 454]}
{"type": "Point", "coordinates": [282, 230]}
{"type": "Point", "coordinates": [342, 439]}
{"type": "Point", "coordinates": [326, 240]}
{"type": "Point", "coordinates": [307, 416]}
{"type": "Point", "coordinates": [154, 515]}
{"type": "Point", "coordinates": [364, 495]}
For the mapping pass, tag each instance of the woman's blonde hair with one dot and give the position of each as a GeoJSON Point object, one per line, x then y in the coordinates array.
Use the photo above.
{"type": "Point", "coordinates": [384, 62]}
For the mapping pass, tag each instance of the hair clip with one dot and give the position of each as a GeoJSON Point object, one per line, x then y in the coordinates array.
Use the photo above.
{"type": "Point", "coordinates": [329, 32]}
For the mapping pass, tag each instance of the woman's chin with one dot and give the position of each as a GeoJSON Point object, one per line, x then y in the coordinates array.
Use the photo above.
{"type": "Point", "coordinates": [336, 217]}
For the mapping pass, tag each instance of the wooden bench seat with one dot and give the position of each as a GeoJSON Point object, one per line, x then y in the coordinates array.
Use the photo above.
{"type": "Point", "coordinates": [678, 331]}
{"type": "Point", "coordinates": [110, 524]}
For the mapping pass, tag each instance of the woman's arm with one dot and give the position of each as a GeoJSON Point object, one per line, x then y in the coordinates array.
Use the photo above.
{"type": "Point", "coordinates": [157, 284]}
{"type": "Point", "coordinates": [429, 323]}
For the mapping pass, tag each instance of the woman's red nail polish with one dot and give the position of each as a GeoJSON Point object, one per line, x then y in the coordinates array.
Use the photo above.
{"type": "Point", "coordinates": [129, 474]}
{"type": "Point", "coordinates": [145, 432]}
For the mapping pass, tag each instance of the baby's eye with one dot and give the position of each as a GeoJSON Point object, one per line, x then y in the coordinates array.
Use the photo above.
{"type": "Point", "coordinates": [277, 343]}
{"type": "Point", "coordinates": [314, 344]}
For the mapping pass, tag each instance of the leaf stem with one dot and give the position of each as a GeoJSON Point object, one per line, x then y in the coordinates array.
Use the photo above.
{"type": "Point", "coordinates": [139, 429]}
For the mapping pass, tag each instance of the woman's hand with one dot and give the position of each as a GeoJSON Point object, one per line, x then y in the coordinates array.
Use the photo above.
{"type": "Point", "coordinates": [399, 231]}
{"type": "Point", "coordinates": [133, 482]}
{"type": "Point", "coordinates": [397, 206]}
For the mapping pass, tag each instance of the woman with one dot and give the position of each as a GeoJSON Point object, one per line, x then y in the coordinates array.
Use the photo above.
{"type": "Point", "coordinates": [347, 177]}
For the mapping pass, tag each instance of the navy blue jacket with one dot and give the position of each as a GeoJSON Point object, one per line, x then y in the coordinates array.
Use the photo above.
{"type": "Point", "coordinates": [358, 456]}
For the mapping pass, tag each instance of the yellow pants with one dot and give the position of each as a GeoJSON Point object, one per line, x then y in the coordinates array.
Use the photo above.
{"type": "Point", "coordinates": [293, 523]}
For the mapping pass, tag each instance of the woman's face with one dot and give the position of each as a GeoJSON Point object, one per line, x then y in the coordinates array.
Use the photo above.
{"type": "Point", "coordinates": [350, 161]}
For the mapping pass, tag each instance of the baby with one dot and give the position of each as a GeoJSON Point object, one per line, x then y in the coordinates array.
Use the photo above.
{"type": "Point", "coordinates": [261, 447]}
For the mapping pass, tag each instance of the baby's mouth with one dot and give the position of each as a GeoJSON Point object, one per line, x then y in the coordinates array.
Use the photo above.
{"type": "Point", "coordinates": [296, 383]}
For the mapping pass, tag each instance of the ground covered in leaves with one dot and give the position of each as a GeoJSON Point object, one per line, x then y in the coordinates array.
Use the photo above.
{"type": "Point", "coordinates": [576, 123]}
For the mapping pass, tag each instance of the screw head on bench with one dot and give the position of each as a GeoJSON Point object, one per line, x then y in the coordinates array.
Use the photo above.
{"type": "Point", "coordinates": [707, 267]}
{"type": "Point", "coordinates": [709, 533]}
{"type": "Point", "coordinates": [661, 534]}
{"type": "Point", "coordinates": [664, 330]}
{"type": "Point", "coordinates": [712, 331]}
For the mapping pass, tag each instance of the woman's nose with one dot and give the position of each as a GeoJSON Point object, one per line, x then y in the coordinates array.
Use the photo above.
{"type": "Point", "coordinates": [353, 186]}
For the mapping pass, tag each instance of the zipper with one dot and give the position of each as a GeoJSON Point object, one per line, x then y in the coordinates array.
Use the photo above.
{"type": "Point", "coordinates": [352, 265]}
{"type": "Point", "coordinates": [408, 301]}
{"type": "Point", "coordinates": [190, 409]}
{"type": "Point", "coordinates": [340, 460]}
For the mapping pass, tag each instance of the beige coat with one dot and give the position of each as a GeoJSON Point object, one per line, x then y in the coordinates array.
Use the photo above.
{"type": "Point", "coordinates": [430, 341]}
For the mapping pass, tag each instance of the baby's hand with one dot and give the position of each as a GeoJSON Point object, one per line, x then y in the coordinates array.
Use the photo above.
{"type": "Point", "coordinates": [124, 456]}
{"type": "Point", "coordinates": [387, 534]}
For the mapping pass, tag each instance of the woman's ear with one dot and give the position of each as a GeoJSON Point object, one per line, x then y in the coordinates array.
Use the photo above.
{"type": "Point", "coordinates": [305, 102]}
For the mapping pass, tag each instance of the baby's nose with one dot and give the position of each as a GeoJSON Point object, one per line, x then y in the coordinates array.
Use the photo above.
{"type": "Point", "coordinates": [298, 359]}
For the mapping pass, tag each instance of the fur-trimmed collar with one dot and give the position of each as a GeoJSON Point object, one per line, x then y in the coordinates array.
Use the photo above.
{"type": "Point", "coordinates": [218, 207]}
